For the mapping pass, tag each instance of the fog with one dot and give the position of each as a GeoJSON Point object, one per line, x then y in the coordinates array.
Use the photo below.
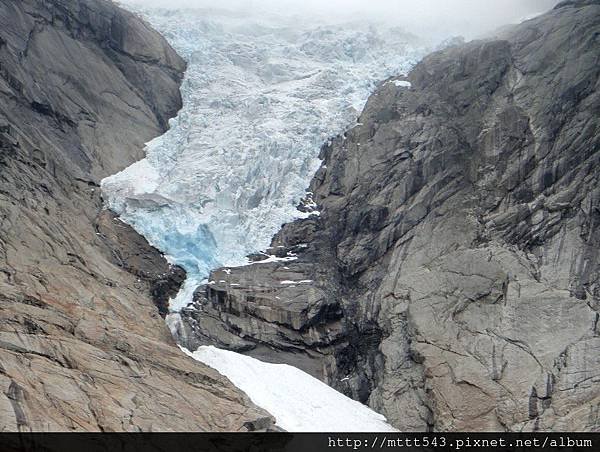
{"type": "Point", "coordinates": [434, 18]}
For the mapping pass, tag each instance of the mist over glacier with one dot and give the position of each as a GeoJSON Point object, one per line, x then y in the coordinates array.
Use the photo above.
{"type": "Point", "coordinates": [428, 18]}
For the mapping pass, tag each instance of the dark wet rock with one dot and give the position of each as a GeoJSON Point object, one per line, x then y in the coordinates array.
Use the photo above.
{"type": "Point", "coordinates": [83, 85]}
{"type": "Point", "coordinates": [130, 251]}
{"type": "Point", "coordinates": [455, 262]}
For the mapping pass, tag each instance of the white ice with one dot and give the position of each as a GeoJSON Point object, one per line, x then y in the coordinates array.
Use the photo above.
{"type": "Point", "coordinates": [261, 94]}
{"type": "Point", "coordinates": [299, 402]}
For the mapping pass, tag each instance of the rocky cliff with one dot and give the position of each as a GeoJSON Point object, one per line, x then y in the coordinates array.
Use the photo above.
{"type": "Point", "coordinates": [83, 85]}
{"type": "Point", "coordinates": [451, 278]}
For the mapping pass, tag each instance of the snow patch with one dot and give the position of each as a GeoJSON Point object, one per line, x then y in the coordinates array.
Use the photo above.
{"type": "Point", "coordinates": [402, 83]}
{"type": "Point", "coordinates": [273, 258]}
{"type": "Point", "coordinates": [304, 281]}
{"type": "Point", "coordinates": [298, 401]}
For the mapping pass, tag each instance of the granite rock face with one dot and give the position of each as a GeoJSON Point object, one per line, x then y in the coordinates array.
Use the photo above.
{"type": "Point", "coordinates": [83, 85]}
{"type": "Point", "coordinates": [451, 279]}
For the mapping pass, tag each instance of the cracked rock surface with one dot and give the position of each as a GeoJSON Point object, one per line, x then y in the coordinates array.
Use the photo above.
{"type": "Point", "coordinates": [451, 279]}
{"type": "Point", "coordinates": [83, 85]}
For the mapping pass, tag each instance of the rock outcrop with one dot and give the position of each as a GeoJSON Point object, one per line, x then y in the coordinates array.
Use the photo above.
{"type": "Point", "coordinates": [451, 278]}
{"type": "Point", "coordinates": [83, 85]}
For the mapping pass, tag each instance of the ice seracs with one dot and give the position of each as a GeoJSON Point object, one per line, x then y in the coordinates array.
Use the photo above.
{"type": "Point", "coordinates": [261, 94]}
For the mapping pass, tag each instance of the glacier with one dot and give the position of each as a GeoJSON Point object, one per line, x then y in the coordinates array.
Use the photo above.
{"type": "Point", "coordinates": [262, 92]}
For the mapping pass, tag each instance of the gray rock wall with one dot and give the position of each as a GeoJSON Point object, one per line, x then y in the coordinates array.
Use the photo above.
{"type": "Point", "coordinates": [83, 85]}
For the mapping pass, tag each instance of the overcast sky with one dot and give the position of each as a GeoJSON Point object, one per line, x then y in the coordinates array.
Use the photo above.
{"type": "Point", "coordinates": [469, 18]}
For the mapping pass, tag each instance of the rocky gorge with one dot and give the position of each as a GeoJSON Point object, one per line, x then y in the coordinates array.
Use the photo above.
{"type": "Point", "coordinates": [445, 275]}
{"type": "Point", "coordinates": [449, 275]}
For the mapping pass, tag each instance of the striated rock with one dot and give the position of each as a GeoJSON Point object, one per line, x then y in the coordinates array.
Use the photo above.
{"type": "Point", "coordinates": [83, 85]}
{"type": "Point", "coordinates": [454, 265]}
{"type": "Point", "coordinates": [270, 311]}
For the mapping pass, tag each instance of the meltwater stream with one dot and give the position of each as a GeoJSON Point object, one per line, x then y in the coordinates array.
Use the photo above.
{"type": "Point", "coordinates": [261, 94]}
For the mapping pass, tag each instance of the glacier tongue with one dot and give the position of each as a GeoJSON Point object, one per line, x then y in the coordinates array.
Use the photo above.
{"type": "Point", "coordinates": [261, 95]}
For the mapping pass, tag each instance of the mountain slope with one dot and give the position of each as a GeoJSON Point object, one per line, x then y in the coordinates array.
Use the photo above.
{"type": "Point", "coordinates": [83, 85]}
{"type": "Point", "coordinates": [450, 280]}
